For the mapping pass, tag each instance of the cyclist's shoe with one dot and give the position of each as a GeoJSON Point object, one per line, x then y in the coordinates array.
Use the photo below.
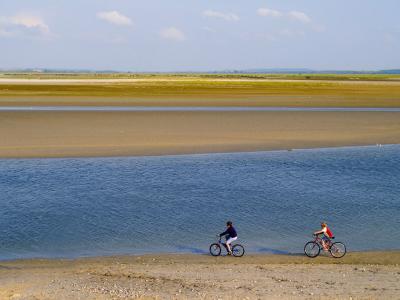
{"type": "Point", "coordinates": [229, 253]}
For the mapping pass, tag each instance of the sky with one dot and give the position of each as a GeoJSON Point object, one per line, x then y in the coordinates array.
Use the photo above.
{"type": "Point", "coordinates": [199, 35]}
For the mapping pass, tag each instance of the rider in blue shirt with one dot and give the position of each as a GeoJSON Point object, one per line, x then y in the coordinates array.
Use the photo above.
{"type": "Point", "coordinates": [231, 236]}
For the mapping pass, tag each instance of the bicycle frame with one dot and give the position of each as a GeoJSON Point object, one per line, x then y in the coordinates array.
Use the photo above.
{"type": "Point", "coordinates": [222, 243]}
{"type": "Point", "coordinates": [319, 241]}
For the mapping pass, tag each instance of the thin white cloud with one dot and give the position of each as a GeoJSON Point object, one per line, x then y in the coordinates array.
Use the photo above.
{"type": "Point", "coordinates": [172, 33]}
{"type": "Point", "coordinates": [220, 15]}
{"type": "Point", "coordinates": [30, 22]}
{"type": "Point", "coordinates": [266, 12]}
{"type": "Point", "coordinates": [114, 17]}
{"type": "Point", "coordinates": [294, 15]}
{"type": "Point", "coordinates": [299, 16]}
{"type": "Point", "coordinates": [23, 24]}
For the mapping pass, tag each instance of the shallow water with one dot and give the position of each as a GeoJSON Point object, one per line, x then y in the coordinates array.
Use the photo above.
{"type": "Point", "coordinates": [103, 206]}
{"type": "Point", "coordinates": [194, 108]}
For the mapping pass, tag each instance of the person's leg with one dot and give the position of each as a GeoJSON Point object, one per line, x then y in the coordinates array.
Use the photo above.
{"type": "Point", "coordinates": [328, 242]}
{"type": "Point", "coordinates": [224, 244]}
{"type": "Point", "coordinates": [228, 247]}
{"type": "Point", "coordinates": [228, 244]}
{"type": "Point", "coordinates": [325, 243]}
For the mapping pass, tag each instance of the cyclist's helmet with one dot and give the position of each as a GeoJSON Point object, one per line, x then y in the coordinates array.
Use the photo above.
{"type": "Point", "coordinates": [229, 223]}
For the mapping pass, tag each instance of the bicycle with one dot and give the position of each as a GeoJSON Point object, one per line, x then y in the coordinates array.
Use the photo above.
{"type": "Point", "coordinates": [313, 248]}
{"type": "Point", "coordinates": [215, 248]}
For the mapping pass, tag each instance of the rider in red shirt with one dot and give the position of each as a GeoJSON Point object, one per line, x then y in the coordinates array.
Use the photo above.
{"type": "Point", "coordinates": [327, 235]}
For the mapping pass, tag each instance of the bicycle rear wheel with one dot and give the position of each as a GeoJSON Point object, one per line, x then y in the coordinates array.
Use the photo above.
{"type": "Point", "coordinates": [215, 249]}
{"type": "Point", "coordinates": [312, 249]}
{"type": "Point", "coordinates": [337, 250]}
{"type": "Point", "coordinates": [237, 250]}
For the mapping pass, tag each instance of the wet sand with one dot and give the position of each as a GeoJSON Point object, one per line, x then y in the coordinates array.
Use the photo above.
{"type": "Point", "coordinates": [75, 134]}
{"type": "Point", "coordinates": [367, 275]}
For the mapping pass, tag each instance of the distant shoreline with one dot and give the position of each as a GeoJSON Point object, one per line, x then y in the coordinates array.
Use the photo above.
{"type": "Point", "coordinates": [50, 81]}
{"type": "Point", "coordinates": [99, 156]}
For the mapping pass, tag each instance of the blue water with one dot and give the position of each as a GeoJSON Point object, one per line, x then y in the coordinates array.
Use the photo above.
{"type": "Point", "coordinates": [103, 206]}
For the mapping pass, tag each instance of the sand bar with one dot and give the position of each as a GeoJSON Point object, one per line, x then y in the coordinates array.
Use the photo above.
{"type": "Point", "coordinates": [367, 275]}
{"type": "Point", "coordinates": [75, 134]}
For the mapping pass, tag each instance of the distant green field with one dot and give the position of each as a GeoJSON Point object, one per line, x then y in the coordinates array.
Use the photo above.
{"type": "Point", "coordinates": [205, 89]}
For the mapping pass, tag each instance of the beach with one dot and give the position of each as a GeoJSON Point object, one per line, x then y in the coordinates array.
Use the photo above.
{"type": "Point", "coordinates": [76, 134]}
{"type": "Point", "coordinates": [359, 275]}
{"type": "Point", "coordinates": [60, 134]}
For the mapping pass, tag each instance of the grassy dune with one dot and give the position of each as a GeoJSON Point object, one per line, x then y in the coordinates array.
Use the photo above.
{"type": "Point", "coordinates": [216, 91]}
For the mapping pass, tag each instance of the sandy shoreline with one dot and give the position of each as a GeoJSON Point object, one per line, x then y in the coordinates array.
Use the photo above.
{"type": "Point", "coordinates": [76, 134]}
{"type": "Point", "coordinates": [362, 275]}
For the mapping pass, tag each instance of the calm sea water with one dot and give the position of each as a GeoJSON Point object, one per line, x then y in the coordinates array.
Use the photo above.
{"type": "Point", "coordinates": [103, 206]}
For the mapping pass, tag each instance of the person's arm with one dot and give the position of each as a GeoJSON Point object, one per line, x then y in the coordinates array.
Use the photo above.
{"type": "Point", "coordinates": [319, 232]}
{"type": "Point", "coordinates": [225, 232]}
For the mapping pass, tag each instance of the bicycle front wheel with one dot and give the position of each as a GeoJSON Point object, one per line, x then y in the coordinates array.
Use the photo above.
{"type": "Point", "coordinates": [312, 249]}
{"type": "Point", "coordinates": [337, 250]}
{"type": "Point", "coordinates": [215, 249]}
{"type": "Point", "coordinates": [237, 250]}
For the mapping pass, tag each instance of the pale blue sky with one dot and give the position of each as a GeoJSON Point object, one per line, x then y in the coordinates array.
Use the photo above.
{"type": "Point", "coordinates": [199, 35]}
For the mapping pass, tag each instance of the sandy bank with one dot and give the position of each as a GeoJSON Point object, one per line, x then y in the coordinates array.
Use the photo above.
{"type": "Point", "coordinates": [63, 134]}
{"type": "Point", "coordinates": [358, 275]}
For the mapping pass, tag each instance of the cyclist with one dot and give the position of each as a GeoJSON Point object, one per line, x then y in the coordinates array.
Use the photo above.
{"type": "Point", "coordinates": [230, 236]}
{"type": "Point", "coordinates": [327, 235]}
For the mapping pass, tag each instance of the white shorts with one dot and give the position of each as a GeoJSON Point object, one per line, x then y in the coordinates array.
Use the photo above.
{"type": "Point", "coordinates": [230, 240]}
